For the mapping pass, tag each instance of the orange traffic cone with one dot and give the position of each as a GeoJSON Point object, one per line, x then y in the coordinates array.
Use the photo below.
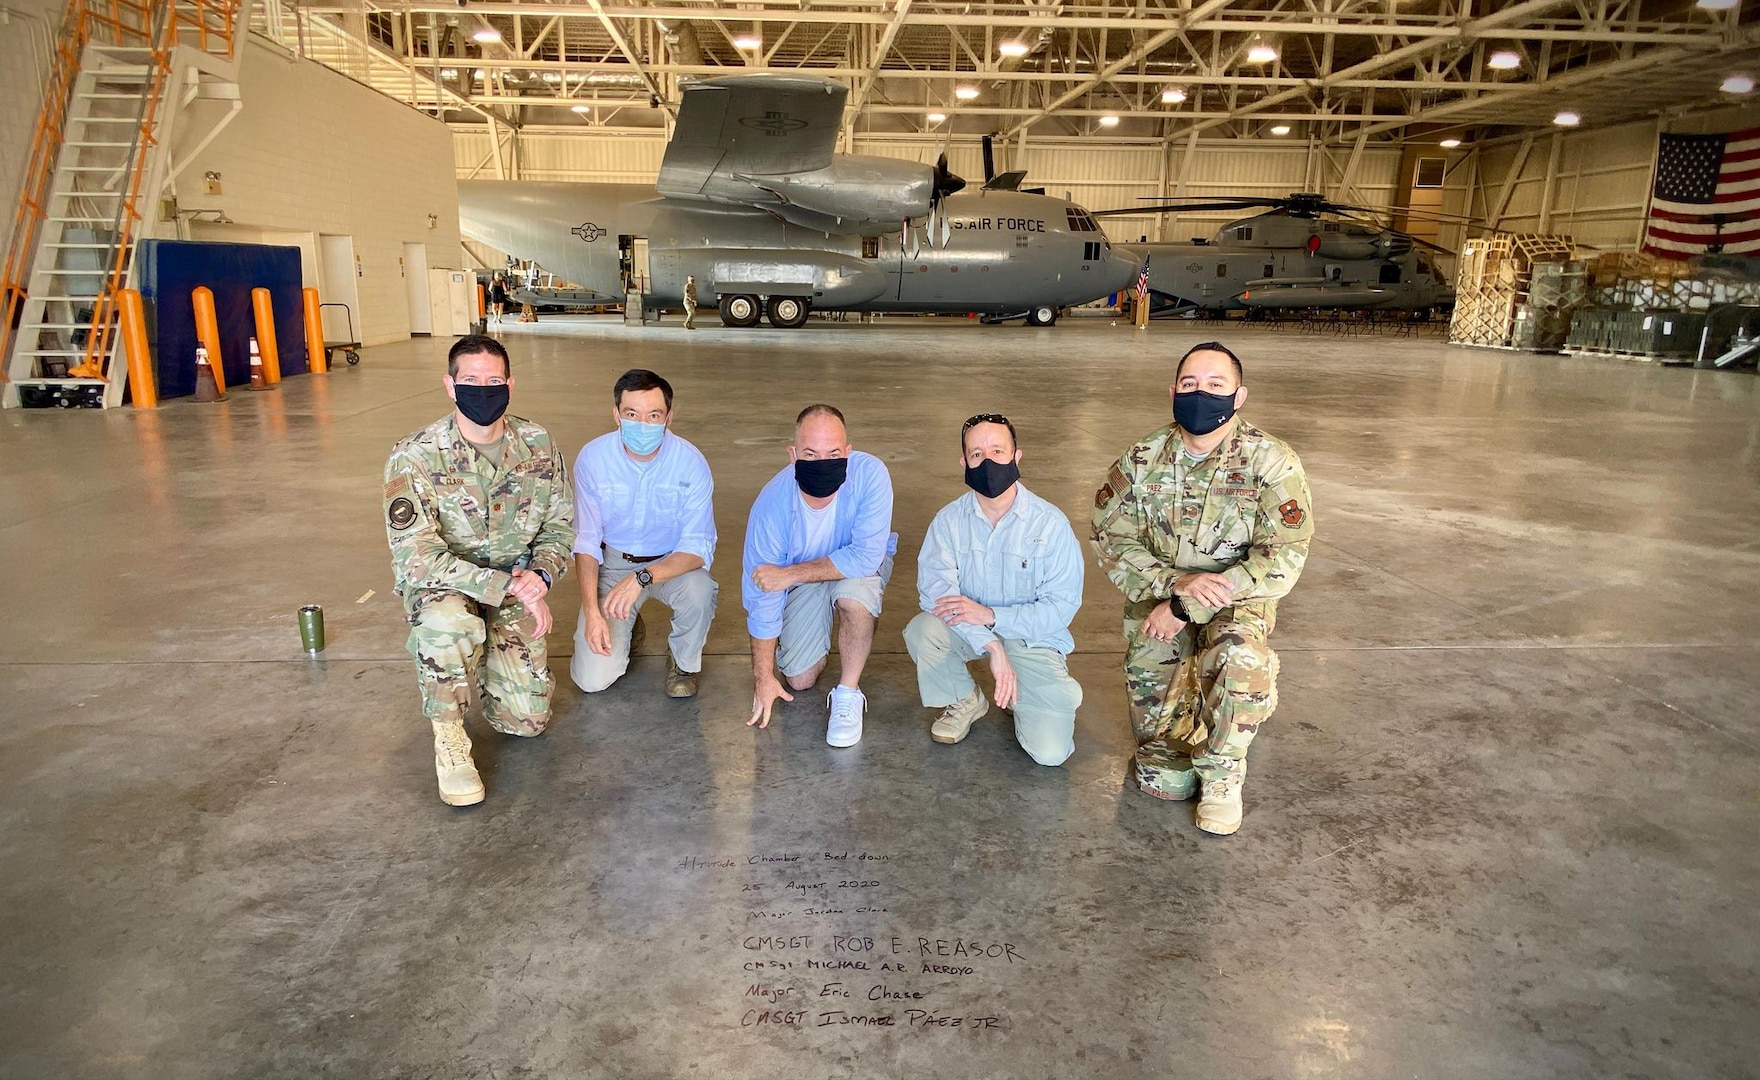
{"type": "Point", "coordinates": [259, 381]}
{"type": "Point", "coordinates": [206, 388]}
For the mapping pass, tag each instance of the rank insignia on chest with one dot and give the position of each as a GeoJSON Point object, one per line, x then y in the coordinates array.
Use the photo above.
{"type": "Point", "coordinates": [1236, 479]}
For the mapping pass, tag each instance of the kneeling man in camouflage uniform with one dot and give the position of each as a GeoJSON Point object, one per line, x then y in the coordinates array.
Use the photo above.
{"type": "Point", "coordinates": [480, 518]}
{"type": "Point", "coordinates": [1203, 526]}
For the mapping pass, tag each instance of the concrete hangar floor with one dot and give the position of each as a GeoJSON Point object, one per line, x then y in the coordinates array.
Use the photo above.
{"type": "Point", "coordinates": [1501, 826]}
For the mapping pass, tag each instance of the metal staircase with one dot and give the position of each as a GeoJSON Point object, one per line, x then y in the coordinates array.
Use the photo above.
{"type": "Point", "coordinates": [124, 70]}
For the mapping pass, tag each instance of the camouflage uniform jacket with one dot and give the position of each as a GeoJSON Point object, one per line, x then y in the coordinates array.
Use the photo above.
{"type": "Point", "coordinates": [457, 521]}
{"type": "Point", "coordinates": [1244, 512]}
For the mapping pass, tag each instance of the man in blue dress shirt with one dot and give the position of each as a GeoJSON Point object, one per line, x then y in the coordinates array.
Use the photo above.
{"type": "Point", "coordinates": [644, 527]}
{"type": "Point", "coordinates": [999, 578]}
{"type": "Point", "coordinates": [819, 542]}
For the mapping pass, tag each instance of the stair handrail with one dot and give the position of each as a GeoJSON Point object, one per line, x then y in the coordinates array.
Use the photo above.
{"type": "Point", "coordinates": [154, 24]}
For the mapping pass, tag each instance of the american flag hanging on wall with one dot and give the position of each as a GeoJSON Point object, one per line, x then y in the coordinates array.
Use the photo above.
{"type": "Point", "coordinates": [1706, 199]}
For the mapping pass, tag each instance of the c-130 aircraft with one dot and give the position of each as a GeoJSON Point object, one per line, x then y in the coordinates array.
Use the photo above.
{"type": "Point", "coordinates": [752, 201]}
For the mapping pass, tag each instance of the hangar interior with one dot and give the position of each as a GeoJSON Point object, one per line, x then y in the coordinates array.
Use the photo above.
{"type": "Point", "coordinates": [1501, 824]}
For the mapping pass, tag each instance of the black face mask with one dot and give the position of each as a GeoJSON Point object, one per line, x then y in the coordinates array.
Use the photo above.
{"type": "Point", "coordinates": [481, 405]}
{"type": "Point", "coordinates": [991, 478]}
{"type": "Point", "coordinates": [1201, 413]}
{"type": "Point", "coordinates": [822, 477]}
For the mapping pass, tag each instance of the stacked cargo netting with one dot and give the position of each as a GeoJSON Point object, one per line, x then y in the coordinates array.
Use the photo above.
{"type": "Point", "coordinates": [1666, 309]}
{"type": "Point", "coordinates": [1516, 290]}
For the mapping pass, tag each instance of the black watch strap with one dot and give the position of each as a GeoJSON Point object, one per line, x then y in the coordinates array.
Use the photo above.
{"type": "Point", "coordinates": [545, 574]}
{"type": "Point", "coordinates": [1178, 607]}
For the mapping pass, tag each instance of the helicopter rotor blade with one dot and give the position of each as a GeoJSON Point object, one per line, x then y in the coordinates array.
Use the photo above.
{"type": "Point", "coordinates": [1191, 208]}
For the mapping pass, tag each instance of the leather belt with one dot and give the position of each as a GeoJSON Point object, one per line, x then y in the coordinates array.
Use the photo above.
{"type": "Point", "coordinates": [626, 557]}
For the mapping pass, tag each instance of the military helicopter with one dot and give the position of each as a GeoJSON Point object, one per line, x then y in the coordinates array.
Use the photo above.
{"type": "Point", "coordinates": [1304, 253]}
{"type": "Point", "coordinates": [752, 201]}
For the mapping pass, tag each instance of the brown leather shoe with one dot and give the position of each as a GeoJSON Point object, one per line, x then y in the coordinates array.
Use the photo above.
{"type": "Point", "coordinates": [680, 684]}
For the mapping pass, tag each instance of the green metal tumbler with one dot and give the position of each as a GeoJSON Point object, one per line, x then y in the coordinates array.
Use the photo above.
{"type": "Point", "coordinates": [311, 628]}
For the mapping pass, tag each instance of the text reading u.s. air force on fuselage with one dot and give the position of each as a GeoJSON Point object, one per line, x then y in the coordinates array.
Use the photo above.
{"type": "Point", "coordinates": [1006, 224]}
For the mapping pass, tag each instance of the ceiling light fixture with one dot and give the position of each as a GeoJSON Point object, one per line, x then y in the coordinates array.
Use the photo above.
{"type": "Point", "coordinates": [1718, 5]}
{"type": "Point", "coordinates": [1738, 84]}
{"type": "Point", "coordinates": [485, 34]}
{"type": "Point", "coordinates": [581, 108]}
{"type": "Point", "coordinates": [1449, 144]}
{"type": "Point", "coordinates": [1280, 129]}
{"type": "Point", "coordinates": [1172, 97]}
{"type": "Point", "coordinates": [551, 77]}
{"type": "Point", "coordinates": [748, 41]}
{"type": "Point", "coordinates": [1013, 49]}
{"type": "Point", "coordinates": [936, 117]}
{"type": "Point", "coordinates": [965, 93]}
{"type": "Point", "coordinates": [1261, 53]}
{"type": "Point", "coordinates": [1567, 119]}
{"type": "Point", "coordinates": [1504, 60]}
{"type": "Point", "coordinates": [1109, 120]}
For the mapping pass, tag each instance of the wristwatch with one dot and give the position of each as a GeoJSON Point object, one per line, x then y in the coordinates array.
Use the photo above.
{"type": "Point", "coordinates": [644, 578]}
{"type": "Point", "coordinates": [545, 574]}
{"type": "Point", "coordinates": [1178, 607]}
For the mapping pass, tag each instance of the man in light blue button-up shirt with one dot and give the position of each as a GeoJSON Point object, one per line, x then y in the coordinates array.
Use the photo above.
{"type": "Point", "coordinates": [819, 542]}
{"type": "Point", "coordinates": [644, 527]}
{"type": "Point", "coordinates": [999, 577]}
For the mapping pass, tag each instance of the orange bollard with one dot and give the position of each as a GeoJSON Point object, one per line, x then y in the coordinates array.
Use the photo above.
{"type": "Point", "coordinates": [265, 312]}
{"type": "Point", "coordinates": [482, 303]}
{"type": "Point", "coordinates": [134, 342]}
{"type": "Point", "coordinates": [208, 329]}
{"type": "Point", "coordinates": [315, 362]}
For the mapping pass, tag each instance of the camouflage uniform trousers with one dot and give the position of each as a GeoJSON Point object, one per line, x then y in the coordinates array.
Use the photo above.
{"type": "Point", "coordinates": [1198, 700]}
{"type": "Point", "coordinates": [457, 641]}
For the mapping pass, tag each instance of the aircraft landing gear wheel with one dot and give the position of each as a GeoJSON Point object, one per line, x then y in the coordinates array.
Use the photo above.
{"type": "Point", "coordinates": [786, 312]}
{"type": "Point", "coordinates": [740, 310]}
{"type": "Point", "coordinates": [1043, 315]}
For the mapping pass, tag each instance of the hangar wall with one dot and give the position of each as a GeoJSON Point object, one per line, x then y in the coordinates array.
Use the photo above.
{"type": "Point", "coordinates": [1116, 177]}
{"type": "Point", "coordinates": [27, 36]}
{"type": "Point", "coordinates": [1601, 183]}
{"type": "Point", "coordinates": [316, 154]}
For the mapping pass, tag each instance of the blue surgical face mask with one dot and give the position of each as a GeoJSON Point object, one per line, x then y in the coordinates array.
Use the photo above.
{"type": "Point", "coordinates": [641, 439]}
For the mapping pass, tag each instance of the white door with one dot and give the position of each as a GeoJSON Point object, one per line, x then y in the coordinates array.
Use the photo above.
{"type": "Point", "coordinates": [338, 283]}
{"type": "Point", "coordinates": [415, 285]}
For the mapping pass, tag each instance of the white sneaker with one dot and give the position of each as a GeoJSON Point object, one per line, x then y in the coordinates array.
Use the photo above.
{"type": "Point", "coordinates": [847, 706]}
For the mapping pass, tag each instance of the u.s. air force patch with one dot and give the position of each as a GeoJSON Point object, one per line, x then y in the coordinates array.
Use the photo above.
{"type": "Point", "coordinates": [401, 513]}
{"type": "Point", "coordinates": [1293, 514]}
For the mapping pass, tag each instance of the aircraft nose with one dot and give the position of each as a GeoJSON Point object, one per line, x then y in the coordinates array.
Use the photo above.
{"type": "Point", "coordinates": [1121, 269]}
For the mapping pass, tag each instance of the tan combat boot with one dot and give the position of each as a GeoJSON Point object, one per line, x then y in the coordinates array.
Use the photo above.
{"type": "Point", "coordinates": [459, 783]}
{"type": "Point", "coordinates": [955, 721]}
{"type": "Point", "coordinates": [1219, 808]}
{"type": "Point", "coordinates": [680, 683]}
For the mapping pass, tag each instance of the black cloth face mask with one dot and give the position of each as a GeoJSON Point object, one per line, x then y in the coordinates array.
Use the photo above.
{"type": "Point", "coordinates": [822, 477]}
{"type": "Point", "coordinates": [991, 478]}
{"type": "Point", "coordinates": [481, 405]}
{"type": "Point", "coordinates": [1201, 413]}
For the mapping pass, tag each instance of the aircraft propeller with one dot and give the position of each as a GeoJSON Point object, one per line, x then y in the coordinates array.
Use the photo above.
{"type": "Point", "coordinates": [946, 183]}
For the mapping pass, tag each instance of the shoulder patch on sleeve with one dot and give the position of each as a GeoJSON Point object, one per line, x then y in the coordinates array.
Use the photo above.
{"type": "Point", "coordinates": [401, 513]}
{"type": "Point", "coordinates": [398, 485]}
{"type": "Point", "coordinates": [1293, 514]}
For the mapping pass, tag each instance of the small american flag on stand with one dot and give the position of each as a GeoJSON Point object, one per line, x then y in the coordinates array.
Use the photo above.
{"type": "Point", "coordinates": [1143, 280]}
{"type": "Point", "coordinates": [1706, 199]}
